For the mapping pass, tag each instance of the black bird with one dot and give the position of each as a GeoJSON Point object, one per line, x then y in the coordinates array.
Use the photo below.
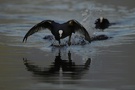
{"type": "Point", "coordinates": [59, 31]}
{"type": "Point", "coordinates": [102, 23]}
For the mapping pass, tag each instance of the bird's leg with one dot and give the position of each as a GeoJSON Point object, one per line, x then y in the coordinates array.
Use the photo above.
{"type": "Point", "coordinates": [59, 42]}
{"type": "Point", "coordinates": [69, 40]}
{"type": "Point", "coordinates": [69, 56]}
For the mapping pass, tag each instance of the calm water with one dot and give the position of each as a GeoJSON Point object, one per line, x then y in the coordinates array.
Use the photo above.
{"type": "Point", "coordinates": [35, 65]}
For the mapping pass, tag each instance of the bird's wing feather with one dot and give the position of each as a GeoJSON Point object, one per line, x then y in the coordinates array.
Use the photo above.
{"type": "Point", "coordinates": [40, 26]}
{"type": "Point", "coordinates": [78, 27]}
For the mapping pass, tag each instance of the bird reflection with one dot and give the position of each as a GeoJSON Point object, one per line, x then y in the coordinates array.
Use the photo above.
{"type": "Point", "coordinates": [66, 67]}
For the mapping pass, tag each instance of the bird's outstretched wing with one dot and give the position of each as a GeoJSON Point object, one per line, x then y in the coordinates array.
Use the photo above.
{"type": "Point", "coordinates": [78, 27]}
{"type": "Point", "coordinates": [40, 26]}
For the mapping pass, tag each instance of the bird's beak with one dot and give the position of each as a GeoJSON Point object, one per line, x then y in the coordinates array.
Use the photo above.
{"type": "Point", "coordinates": [101, 19]}
{"type": "Point", "coordinates": [60, 33]}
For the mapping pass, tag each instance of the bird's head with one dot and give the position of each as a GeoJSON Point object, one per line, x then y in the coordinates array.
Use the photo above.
{"type": "Point", "coordinates": [60, 33]}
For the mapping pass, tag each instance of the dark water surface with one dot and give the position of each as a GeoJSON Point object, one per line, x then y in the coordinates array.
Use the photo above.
{"type": "Point", "coordinates": [35, 65]}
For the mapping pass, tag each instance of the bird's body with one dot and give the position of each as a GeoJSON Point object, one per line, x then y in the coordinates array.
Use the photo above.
{"type": "Point", "coordinates": [59, 30]}
{"type": "Point", "coordinates": [63, 27]}
{"type": "Point", "coordinates": [102, 23]}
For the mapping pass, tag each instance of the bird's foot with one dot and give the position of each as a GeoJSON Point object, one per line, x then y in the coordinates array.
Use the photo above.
{"type": "Point", "coordinates": [69, 43]}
